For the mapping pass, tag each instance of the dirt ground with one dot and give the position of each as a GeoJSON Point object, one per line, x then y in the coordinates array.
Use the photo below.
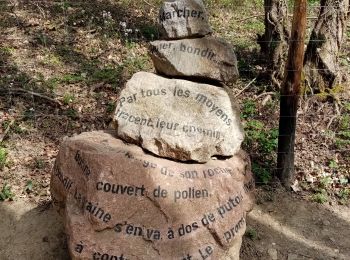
{"type": "Point", "coordinates": [62, 65]}
{"type": "Point", "coordinates": [296, 229]}
{"type": "Point", "coordinates": [284, 226]}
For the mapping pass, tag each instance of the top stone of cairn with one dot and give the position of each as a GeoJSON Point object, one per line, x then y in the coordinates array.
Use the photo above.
{"type": "Point", "coordinates": [183, 19]}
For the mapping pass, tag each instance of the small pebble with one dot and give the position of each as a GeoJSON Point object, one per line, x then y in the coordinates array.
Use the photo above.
{"type": "Point", "coordinates": [272, 253]}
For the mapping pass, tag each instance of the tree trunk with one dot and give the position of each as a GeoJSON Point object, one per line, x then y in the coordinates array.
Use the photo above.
{"type": "Point", "coordinates": [290, 94]}
{"type": "Point", "coordinates": [321, 67]}
{"type": "Point", "coordinates": [274, 42]}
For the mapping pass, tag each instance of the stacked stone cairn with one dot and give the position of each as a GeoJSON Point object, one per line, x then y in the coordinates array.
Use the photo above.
{"type": "Point", "coordinates": [171, 181]}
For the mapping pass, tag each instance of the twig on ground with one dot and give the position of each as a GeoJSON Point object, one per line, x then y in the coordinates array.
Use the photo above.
{"type": "Point", "coordinates": [2, 138]}
{"type": "Point", "coordinates": [308, 17]}
{"type": "Point", "coordinates": [247, 86]}
{"type": "Point", "coordinates": [337, 105]}
{"type": "Point", "coordinates": [331, 121]}
{"type": "Point", "coordinates": [249, 17]}
{"type": "Point", "coordinates": [337, 110]}
{"type": "Point", "coordinates": [24, 91]}
{"type": "Point", "coordinates": [264, 94]}
{"type": "Point", "coordinates": [146, 2]}
{"type": "Point", "coordinates": [306, 106]}
{"type": "Point", "coordinates": [261, 15]}
{"type": "Point", "coordinates": [320, 108]}
{"type": "Point", "coordinates": [41, 10]}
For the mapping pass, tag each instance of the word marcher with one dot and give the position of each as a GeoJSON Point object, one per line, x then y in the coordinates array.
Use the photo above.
{"type": "Point", "coordinates": [181, 13]}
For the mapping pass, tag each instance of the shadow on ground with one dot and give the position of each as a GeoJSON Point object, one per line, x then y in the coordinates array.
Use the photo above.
{"type": "Point", "coordinates": [287, 226]}
{"type": "Point", "coordinates": [296, 229]}
{"type": "Point", "coordinates": [52, 58]}
{"type": "Point", "coordinates": [30, 232]}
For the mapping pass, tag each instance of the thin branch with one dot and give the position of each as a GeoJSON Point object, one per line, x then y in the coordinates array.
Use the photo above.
{"type": "Point", "coordinates": [331, 121]}
{"type": "Point", "coordinates": [249, 17]}
{"type": "Point", "coordinates": [24, 91]}
{"type": "Point", "coordinates": [146, 2]}
{"type": "Point", "coordinates": [264, 94]}
{"type": "Point", "coordinates": [247, 86]}
{"type": "Point", "coordinates": [261, 15]}
{"type": "Point", "coordinates": [2, 138]}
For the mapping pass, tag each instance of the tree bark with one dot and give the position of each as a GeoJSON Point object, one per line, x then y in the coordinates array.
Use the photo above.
{"type": "Point", "coordinates": [290, 94]}
{"type": "Point", "coordinates": [321, 66]}
{"type": "Point", "coordinates": [274, 42]}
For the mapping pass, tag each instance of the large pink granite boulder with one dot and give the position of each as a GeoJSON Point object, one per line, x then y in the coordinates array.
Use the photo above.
{"type": "Point", "coordinates": [119, 202]}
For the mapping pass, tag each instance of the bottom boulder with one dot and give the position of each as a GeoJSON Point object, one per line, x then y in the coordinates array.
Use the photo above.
{"type": "Point", "coordinates": [119, 202]}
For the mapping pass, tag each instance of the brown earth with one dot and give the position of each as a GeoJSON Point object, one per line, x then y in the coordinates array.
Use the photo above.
{"type": "Point", "coordinates": [281, 222]}
{"type": "Point", "coordinates": [77, 55]}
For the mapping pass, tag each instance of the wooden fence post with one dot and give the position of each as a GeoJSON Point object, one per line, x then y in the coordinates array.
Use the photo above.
{"type": "Point", "coordinates": [290, 93]}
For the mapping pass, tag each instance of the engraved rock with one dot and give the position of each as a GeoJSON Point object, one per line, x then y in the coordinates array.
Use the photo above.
{"type": "Point", "coordinates": [183, 18]}
{"type": "Point", "coordinates": [118, 202]}
{"type": "Point", "coordinates": [207, 58]}
{"type": "Point", "coordinates": [178, 119]}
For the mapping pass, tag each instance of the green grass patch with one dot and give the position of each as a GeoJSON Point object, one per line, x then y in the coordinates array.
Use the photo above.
{"type": "Point", "coordinates": [92, 73]}
{"type": "Point", "coordinates": [265, 140]}
{"type": "Point", "coordinates": [71, 78]}
{"type": "Point", "coordinates": [244, 43]}
{"type": "Point", "coordinates": [344, 196]}
{"type": "Point", "coordinates": [6, 193]}
{"type": "Point", "coordinates": [110, 107]}
{"type": "Point", "coordinates": [333, 164]}
{"type": "Point", "coordinates": [251, 233]}
{"type": "Point", "coordinates": [342, 132]}
{"type": "Point", "coordinates": [254, 25]}
{"type": "Point", "coordinates": [39, 163]}
{"type": "Point", "coordinates": [320, 196]}
{"type": "Point", "coordinates": [68, 98]}
{"type": "Point", "coordinates": [261, 141]}
{"type": "Point", "coordinates": [234, 4]}
{"type": "Point", "coordinates": [313, 1]}
{"type": "Point", "coordinates": [150, 32]}
{"type": "Point", "coordinates": [249, 109]}
{"type": "Point", "coordinates": [109, 75]}
{"type": "Point", "coordinates": [72, 113]}
{"type": "Point", "coordinates": [325, 182]}
{"type": "Point", "coordinates": [136, 64]}
{"type": "Point", "coordinates": [14, 128]}
{"type": "Point", "coordinates": [344, 122]}
{"type": "Point", "coordinates": [51, 60]}
{"type": "Point", "coordinates": [6, 50]}
{"type": "Point", "coordinates": [29, 186]}
{"type": "Point", "coordinates": [3, 157]}
{"type": "Point", "coordinates": [262, 173]}
{"type": "Point", "coordinates": [341, 143]}
{"type": "Point", "coordinates": [29, 114]}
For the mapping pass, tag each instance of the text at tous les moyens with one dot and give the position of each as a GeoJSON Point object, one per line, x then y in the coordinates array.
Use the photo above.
{"type": "Point", "coordinates": [202, 99]}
